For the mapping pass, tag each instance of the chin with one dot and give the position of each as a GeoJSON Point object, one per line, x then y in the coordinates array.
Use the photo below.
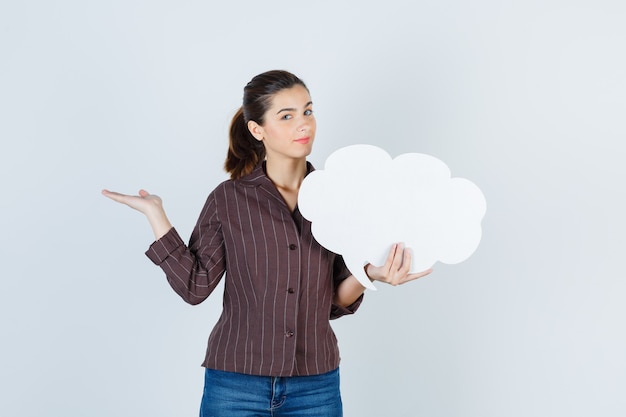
{"type": "Point", "coordinates": [308, 151]}
{"type": "Point", "coordinates": [303, 152]}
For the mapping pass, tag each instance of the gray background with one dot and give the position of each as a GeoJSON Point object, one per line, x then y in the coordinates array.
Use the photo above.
{"type": "Point", "coordinates": [526, 99]}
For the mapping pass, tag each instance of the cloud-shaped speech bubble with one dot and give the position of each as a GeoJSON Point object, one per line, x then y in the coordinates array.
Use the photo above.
{"type": "Point", "coordinates": [363, 201]}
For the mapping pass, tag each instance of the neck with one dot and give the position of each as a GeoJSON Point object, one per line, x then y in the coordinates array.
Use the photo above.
{"type": "Point", "coordinates": [287, 173]}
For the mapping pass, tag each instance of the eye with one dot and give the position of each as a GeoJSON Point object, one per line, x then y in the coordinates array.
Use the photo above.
{"type": "Point", "coordinates": [286, 117]}
{"type": "Point", "coordinates": [308, 112]}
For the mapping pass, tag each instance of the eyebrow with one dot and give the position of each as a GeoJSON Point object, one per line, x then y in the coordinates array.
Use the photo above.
{"type": "Point", "coordinates": [293, 109]}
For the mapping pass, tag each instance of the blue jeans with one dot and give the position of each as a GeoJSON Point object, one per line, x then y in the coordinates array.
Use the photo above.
{"type": "Point", "coordinates": [230, 394]}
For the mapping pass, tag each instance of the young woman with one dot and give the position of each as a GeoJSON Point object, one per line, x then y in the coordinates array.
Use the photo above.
{"type": "Point", "coordinates": [272, 351]}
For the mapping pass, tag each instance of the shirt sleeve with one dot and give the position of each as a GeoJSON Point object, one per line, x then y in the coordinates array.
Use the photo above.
{"type": "Point", "coordinates": [193, 271]}
{"type": "Point", "coordinates": [341, 272]}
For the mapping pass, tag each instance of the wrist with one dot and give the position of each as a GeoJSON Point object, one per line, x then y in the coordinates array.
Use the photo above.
{"type": "Point", "coordinates": [159, 222]}
{"type": "Point", "coordinates": [367, 273]}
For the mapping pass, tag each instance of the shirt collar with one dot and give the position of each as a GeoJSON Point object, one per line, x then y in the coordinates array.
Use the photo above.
{"type": "Point", "coordinates": [258, 176]}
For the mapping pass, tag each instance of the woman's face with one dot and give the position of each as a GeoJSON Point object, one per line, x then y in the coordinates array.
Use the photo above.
{"type": "Point", "coordinates": [289, 127]}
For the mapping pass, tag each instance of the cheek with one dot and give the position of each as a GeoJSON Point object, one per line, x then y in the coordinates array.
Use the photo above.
{"type": "Point", "coordinates": [277, 134]}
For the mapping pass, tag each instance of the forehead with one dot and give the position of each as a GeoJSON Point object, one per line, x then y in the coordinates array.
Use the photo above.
{"type": "Point", "coordinates": [294, 97]}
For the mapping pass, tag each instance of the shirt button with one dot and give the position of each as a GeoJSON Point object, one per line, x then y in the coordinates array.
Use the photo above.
{"type": "Point", "coordinates": [292, 247]}
{"type": "Point", "coordinates": [291, 290]}
{"type": "Point", "coordinates": [289, 333]}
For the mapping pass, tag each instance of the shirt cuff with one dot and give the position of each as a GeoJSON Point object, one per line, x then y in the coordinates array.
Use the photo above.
{"type": "Point", "coordinates": [337, 311]}
{"type": "Point", "coordinates": [162, 248]}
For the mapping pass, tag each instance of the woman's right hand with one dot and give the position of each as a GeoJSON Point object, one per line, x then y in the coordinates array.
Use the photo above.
{"type": "Point", "coordinates": [149, 204]}
{"type": "Point", "coordinates": [144, 202]}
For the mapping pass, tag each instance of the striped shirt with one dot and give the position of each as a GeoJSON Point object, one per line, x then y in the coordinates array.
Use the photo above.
{"type": "Point", "coordinates": [279, 281]}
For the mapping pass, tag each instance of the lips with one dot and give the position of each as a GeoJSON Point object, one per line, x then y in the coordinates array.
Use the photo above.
{"type": "Point", "coordinates": [303, 141]}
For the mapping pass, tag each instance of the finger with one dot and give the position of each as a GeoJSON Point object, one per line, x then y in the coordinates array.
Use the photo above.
{"type": "Point", "coordinates": [406, 261]}
{"type": "Point", "coordinates": [398, 256]}
{"type": "Point", "coordinates": [391, 256]}
{"type": "Point", "coordinates": [413, 277]}
{"type": "Point", "coordinates": [131, 201]}
{"type": "Point", "coordinates": [114, 196]}
{"type": "Point", "coordinates": [111, 193]}
{"type": "Point", "coordinates": [143, 193]}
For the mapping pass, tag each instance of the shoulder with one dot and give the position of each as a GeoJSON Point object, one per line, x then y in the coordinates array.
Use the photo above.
{"type": "Point", "coordinates": [227, 189]}
{"type": "Point", "coordinates": [221, 192]}
{"type": "Point", "coordinates": [255, 178]}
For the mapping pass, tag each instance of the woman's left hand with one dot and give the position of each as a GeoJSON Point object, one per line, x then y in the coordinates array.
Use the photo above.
{"type": "Point", "coordinates": [396, 269]}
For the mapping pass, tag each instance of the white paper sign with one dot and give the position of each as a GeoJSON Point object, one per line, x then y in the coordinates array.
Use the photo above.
{"type": "Point", "coordinates": [363, 201]}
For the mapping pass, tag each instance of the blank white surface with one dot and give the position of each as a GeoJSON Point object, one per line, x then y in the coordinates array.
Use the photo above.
{"type": "Point", "coordinates": [526, 100]}
{"type": "Point", "coordinates": [362, 201]}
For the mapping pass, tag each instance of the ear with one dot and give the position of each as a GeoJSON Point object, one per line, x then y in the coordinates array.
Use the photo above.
{"type": "Point", "coordinates": [256, 129]}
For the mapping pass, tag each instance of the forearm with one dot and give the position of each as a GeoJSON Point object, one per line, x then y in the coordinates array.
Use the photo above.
{"type": "Point", "coordinates": [191, 275]}
{"type": "Point", "coordinates": [159, 222]}
{"type": "Point", "coordinates": [348, 291]}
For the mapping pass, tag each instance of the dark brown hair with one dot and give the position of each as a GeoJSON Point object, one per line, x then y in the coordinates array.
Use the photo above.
{"type": "Point", "coordinates": [244, 150]}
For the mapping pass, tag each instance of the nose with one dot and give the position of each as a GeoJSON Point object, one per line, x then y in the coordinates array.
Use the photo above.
{"type": "Point", "coordinates": [305, 124]}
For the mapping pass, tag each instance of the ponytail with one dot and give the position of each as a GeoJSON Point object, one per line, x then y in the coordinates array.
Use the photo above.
{"type": "Point", "coordinates": [244, 150]}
